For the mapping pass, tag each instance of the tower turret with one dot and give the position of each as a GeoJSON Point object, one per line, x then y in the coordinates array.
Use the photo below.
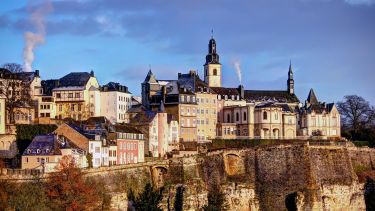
{"type": "Point", "coordinates": [212, 67]}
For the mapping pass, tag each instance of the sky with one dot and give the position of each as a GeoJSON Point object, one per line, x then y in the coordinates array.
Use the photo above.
{"type": "Point", "coordinates": [330, 43]}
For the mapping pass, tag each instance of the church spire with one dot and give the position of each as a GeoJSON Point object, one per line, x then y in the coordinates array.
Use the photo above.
{"type": "Point", "coordinates": [290, 82]}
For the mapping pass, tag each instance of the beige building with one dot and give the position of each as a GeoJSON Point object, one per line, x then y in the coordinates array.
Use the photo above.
{"type": "Point", "coordinates": [206, 114]}
{"type": "Point", "coordinates": [274, 121]}
{"type": "Point", "coordinates": [77, 96]}
{"type": "Point", "coordinates": [319, 119]}
{"type": "Point", "coordinates": [46, 151]}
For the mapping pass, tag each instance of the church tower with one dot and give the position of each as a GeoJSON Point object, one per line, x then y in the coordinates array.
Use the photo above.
{"type": "Point", "coordinates": [290, 82]}
{"type": "Point", "coordinates": [212, 67]}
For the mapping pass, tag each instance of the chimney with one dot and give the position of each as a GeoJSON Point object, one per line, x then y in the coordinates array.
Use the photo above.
{"type": "Point", "coordinates": [37, 73]}
{"type": "Point", "coordinates": [241, 90]}
{"type": "Point", "coordinates": [92, 73]}
{"type": "Point", "coordinates": [192, 73]}
{"type": "Point", "coordinates": [164, 92]}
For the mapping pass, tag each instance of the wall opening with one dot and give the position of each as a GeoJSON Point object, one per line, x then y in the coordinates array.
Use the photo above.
{"type": "Point", "coordinates": [291, 202]}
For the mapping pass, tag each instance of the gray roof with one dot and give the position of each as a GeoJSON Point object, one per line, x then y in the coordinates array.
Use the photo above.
{"type": "Point", "coordinates": [75, 79]}
{"type": "Point", "coordinates": [276, 96]}
{"type": "Point", "coordinates": [312, 99]}
{"type": "Point", "coordinates": [47, 145]}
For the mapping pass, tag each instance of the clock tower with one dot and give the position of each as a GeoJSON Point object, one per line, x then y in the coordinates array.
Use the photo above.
{"type": "Point", "coordinates": [212, 67]}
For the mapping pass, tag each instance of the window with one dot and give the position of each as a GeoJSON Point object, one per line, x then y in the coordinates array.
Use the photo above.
{"type": "Point", "coordinates": [276, 116]}
{"type": "Point", "coordinates": [58, 95]}
{"type": "Point", "coordinates": [72, 107]}
{"type": "Point", "coordinates": [60, 108]}
{"type": "Point", "coordinates": [97, 149]}
{"type": "Point", "coordinates": [215, 71]}
{"type": "Point", "coordinates": [237, 116]}
{"type": "Point", "coordinates": [228, 118]}
{"type": "Point", "coordinates": [244, 116]}
{"type": "Point", "coordinates": [70, 95]}
{"type": "Point", "coordinates": [77, 95]}
{"type": "Point", "coordinates": [265, 115]}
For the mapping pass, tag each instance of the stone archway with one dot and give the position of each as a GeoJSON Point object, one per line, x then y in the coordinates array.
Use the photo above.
{"type": "Point", "coordinates": [234, 164]}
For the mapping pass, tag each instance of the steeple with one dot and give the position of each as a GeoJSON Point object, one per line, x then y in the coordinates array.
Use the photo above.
{"type": "Point", "coordinates": [212, 57]}
{"type": "Point", "coordinates": [212, 67]}
{"type": "Point", "coordinates": [312, 99]}
{"type": "Point", "coordinates": [290, 82]}
{"type": "Point", "coordinates": [150, 77]}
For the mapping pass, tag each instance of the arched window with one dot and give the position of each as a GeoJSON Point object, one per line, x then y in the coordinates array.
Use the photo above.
{"type": "Point", "coordinates": [237, 116]}
{"type": "Point", "coordinates": [228, 118]}
{"type": "Point", "coordinates": [215, 71]}
{"type": "Point", "coordinates": [264, 115]}
{"type": "Point", "coordinates": [244, 116]}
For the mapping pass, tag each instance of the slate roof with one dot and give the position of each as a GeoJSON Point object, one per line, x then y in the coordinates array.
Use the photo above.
{"type": "Point", "coordinates": [112, 86]}
{"type": "Point", "coordinates": [6, 74]}
{"type": "Point", "coordinates": [150, 78]}
{"type": "Point", "coordinates": [47, 145]}
{"type": "Point", "coordinates": [75, 79]}
{"type": "Point", "coordinates": [49, 85]}
{"type": "Point", "coordinates": [225, 91]}
{"type": "Point", "coordinates": [270, 96]}
{"type": "Point", "coordinates": [312, 99]}
{"type": "Point", "coordinates": [126, 128]}
{"type": "Point", "coordinates": [27, 76]}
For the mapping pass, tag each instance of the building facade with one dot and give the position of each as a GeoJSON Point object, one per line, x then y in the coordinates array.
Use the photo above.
{"type": "Point", "coordinates": [116, 100]}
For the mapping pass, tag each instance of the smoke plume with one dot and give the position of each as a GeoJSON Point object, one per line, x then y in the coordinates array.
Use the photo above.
{"type": "Point", "coordinates": [236, 63]}
{"type": "Point", "coordinates": [33, 39]}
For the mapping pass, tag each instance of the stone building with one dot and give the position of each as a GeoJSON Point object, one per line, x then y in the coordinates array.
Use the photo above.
{"type": "Point", "coordinates": [319, 118]}
{"type": "Point", "coordinates": [274, 121]}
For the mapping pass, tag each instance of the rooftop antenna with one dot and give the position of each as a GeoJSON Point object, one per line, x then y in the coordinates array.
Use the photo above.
{"type": "Point", "coordinates": [212, 33]}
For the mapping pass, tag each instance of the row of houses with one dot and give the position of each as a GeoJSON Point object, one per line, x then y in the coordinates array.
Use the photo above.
{"type": "Point", "coordinates": [93, 143]}
{"type": "Point", "coordinates": [117, 128]}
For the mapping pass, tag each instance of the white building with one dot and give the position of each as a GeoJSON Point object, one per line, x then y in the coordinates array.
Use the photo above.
{"type": "Point", "coordinates": [115, 102]}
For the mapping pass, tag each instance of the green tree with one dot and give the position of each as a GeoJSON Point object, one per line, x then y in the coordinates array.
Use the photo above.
{"type": "Point", "coordinates": [216, 200]}
{"type": "Point", "coordinates": [149, 199]}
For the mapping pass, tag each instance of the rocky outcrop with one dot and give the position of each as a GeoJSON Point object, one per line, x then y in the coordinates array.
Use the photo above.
{"type": "Point", "coordinates": [271, 177]}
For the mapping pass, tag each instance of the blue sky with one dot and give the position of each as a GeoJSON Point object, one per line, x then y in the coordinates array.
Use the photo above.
{"type": "Point", "coordinates": [331, 42]}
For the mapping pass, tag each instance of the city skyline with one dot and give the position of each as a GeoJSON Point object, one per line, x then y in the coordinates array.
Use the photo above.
{"type": "Point", "coordinates": [119, 40]}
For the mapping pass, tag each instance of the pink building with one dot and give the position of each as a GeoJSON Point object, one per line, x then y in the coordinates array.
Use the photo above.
{"type": "Point", "coordinates": [130, 145]}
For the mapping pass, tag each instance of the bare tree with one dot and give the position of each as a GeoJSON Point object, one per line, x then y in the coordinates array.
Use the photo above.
{"type": "Point", "coordinates": [13, 67]}
{"type": "Point", "coordinates": [356, 112]}
{"type": "Point", "coordinates": [16, 93]}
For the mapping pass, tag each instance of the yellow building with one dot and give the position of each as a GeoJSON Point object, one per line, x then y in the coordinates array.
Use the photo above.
{"type": "Point", "coordinates": [206, 113]}
{"type": "Point", "coordinates": [77, 96]}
